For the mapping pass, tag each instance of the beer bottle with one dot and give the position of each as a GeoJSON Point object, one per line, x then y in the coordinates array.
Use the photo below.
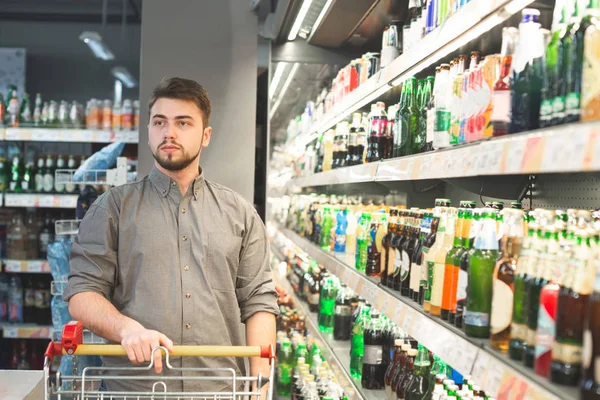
{"type": "Point", "coordinates": [392, 369]}
{"type": "Point", "coordinates": [518, 332]}
{"type": "Point", "coordinates": [419, 385]}
{"type": "Point", "coordinates": [415, 273]}
{"type": "Point", "coordinates": [536, 281]}
{"type": "Point", "coordinates": [16, 176]}
{"type": "Point", "coordinates": [590, 93]}
{"type": "Point", "coordinates": [590, 386]}
{"type": "Point", "coordinates": [395, 281]}
{"type": "Point", "coordinates": [408, 248]}
{"type": "Point", "coordinates": [417, 135]}
{"type": "Point", "coordinates": [430, 248]}
{"type": "Point", "coordinates": [3, 175]}
{"type": "Point", "coordinates": [450, 279]}
{"type": "Point", "coordinates": [427, 124]}
{"type": "Point", "coordinates": [504, 275]}
{"type": "Point", "coordinates": [376, 234]}
{"type": "Point", "coordinates": [389, 132]}
{"type": "Point", "coordinates": [446, 230]}
{"type": "Point", "coordinates": [26, 116]}
{"type": "Point", "coordinates": [403, 124]}
{"type": "Point", "coordinates": [480, 280]}
{"type": "Point", "coordinates": [555, 265]}
{"type": "Point", "coordinates": [526, 75]}
{"type": "Point", "coordinates": [49, 175]}
{"type": "Point", "coordinates": [37, 111]}
{"type": "Point", "coordinates": [27, 182]}
{"type": "Point", "coordinates": [388, 256]}
{"type": "Point", "coordinates": [60, 164]}
{"type": "Point", "coordinates": [284, 361]}
{"type": "Point", "coordinates": [572, 305]}
{"type": "Point", "coordinates": [425, 232]}
{"type": "Point", "coordinates": [553, 68]}
{"type": "Point", "coordinates": [501, 93]}
{"type": "Point", "coordinates": [405, 380]}
{"type": "Point", "coordinates": [461, 265]}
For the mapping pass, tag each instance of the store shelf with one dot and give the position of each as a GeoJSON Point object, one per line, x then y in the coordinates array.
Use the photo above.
{"type": "Point", "coordinates": [26, 331]}
{"type": "Point", "coordinates": [68, 135]}
{"type": "Point", "coordinates": [471, 21]}
{"type": "Point", "coordinates": [40, 200]}
{"type": "Point", "coordinates": [562, 149]}
{"type": "Point", "coordinates": [337, 353]}
{"type": "Point", "coordinates": [27, 266]}
{"type": "Point", "coordinates": [500, 376]}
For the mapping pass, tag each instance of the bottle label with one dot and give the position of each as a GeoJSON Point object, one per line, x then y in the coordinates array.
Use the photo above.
{"type": "Point", "coordinates": [502, 306]}
{"type": "Point", "coordinates": [461, 289]}
{"type": "Point", "coordinates": [25, 185]}
{"type": "Point", "coordinates": [558, 107]}
{"type": "Point", "coordinates": [313, 299]}
{"type": "Point", "coordinates": [590, 88]}
{"type": "Point", "coordinates": [373, 355]}
{"type": "Point", "coordinates": [391, 261]}
{"type": "Point", "coordinates": [342, 310]}
{"type": "Point", "coordinates": [15, 313]}
{"type": "Point", "coordinates": [531, 334]}
{"type": "Point", "coordinates": [437, 288]}
{"type": "Point", "coordinates": [546, 331]}
{"type": "Point", "coordinates": [398, 263]}
{"type": "Point", "coordinates": [423, 282]}
{"type": "Point", "coordinates": [415, 277]}
{"type": "Point", "coordinates": [430, 273]}
{"type": "Point", "coordinates": [430, 125]}
{"type": "Point", "coordinates": [501, 110]}
{"type": "Point", "coordinates": [474, 318]}
{"type": "Point", "coordinates": [567, 353]}
{"type": "Point", "coordinates": [441, 132]}
{"type": "Point", "coordinates": [546, 110]}
{"type": "Point", "coordinates": [405, 266]}
{"type": "Point", "coordinates": [39, 182]}
{"type": "Point", "coordinates": [12, 186]}
{"type": "Point", "coordinates": [518, 331]}
{"type": "Point", "coordinates": [572, 104]}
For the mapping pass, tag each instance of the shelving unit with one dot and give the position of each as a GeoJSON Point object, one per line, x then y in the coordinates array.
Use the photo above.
{"type": "Point", "coordinates": [337, 353]}
{"type": "Point", "coordinates": [26, 331]}
{"type": "Point", "coordinates": [467, 24]}
{"type": "Point", "coordinates": [26, 266]}
{"type": "Point", "coordinates": [67, 135]}
{"type": "Point", "coordinates": [567, 148]}
{"type": "Point", "coordinates": [491, 369]}
{"type": "Point", "coordinates": [40, 200]}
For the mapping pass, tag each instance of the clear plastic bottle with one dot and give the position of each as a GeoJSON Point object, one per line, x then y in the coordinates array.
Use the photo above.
{"type": "Point", "coordinates": [15, 300]}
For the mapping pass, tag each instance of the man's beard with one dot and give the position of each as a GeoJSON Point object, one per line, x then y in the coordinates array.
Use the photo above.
{"type": "Point", "coordinates": [170, 164]}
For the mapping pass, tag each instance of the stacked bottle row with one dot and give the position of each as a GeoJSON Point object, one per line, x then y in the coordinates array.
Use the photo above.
{"type": "Point", "coordinates": [302, 371]}
{"type": "Point", "coordinates": [98, 114]}
{"type": "Point", "coordinates": [22, 354]}
{"type": "Point", "coordinates": [381, 355]}
{"type": "Point", "coordinates": [25, 299]}
{"type": "Point", "coordinates": [540, 79]}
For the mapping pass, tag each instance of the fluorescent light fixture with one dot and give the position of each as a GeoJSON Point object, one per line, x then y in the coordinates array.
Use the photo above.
{"type": "Point", "coordinates": [276, 78]}
{"type": "Point", "coordinates": [286, 84]}
{"type": "Point", "coordinates": [299, 19]}
{"type": "Point", "coordinates": [320, 17]}
{"type": "Point", "coordinates": [122, 74]}
{"type": "Point", "coordinates": [98, 47]}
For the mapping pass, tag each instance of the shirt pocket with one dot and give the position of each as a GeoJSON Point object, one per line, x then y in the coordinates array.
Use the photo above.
{"type": "Point", "coordinates": [223, 260]}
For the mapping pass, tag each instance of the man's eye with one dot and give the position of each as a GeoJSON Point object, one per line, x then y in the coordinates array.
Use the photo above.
{"type": "Point", "coordinates": [183, 123]}
{"type": "Point", "coordinates": [158, 123]}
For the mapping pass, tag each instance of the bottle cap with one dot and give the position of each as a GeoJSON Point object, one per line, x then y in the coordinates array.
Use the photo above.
{"type": "Point", "coordinates": [412, 352]}
{"type": "Point", "coordinates": [398, 342]}
{"type": "Point", "coordinates": [405, 347]}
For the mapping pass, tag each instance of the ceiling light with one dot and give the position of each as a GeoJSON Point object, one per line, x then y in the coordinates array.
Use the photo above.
{"type": "Point", "coordinates": [299, 19]}
{"type": "Point", "coordinates": [287, 83]}
{"type": "Point", "coordinates": [122, 74]}
{"type": "Point", "coordinates": [320, 17]}
{"type": "Point", "coordinates": [276, 78]}
{"type": "Point", "coordinates": [98, 47]}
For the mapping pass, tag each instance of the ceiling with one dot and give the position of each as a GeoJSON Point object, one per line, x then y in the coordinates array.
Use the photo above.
{"type": "Point", "coordinates": [71, 11]}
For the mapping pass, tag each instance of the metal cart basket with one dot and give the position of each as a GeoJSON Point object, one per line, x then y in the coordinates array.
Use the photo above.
{"type": "Point", "coordinates": [87, 385]}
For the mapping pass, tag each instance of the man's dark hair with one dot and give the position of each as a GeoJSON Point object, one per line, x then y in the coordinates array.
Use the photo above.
{"type": "Point", "coordinates": [183, 89]}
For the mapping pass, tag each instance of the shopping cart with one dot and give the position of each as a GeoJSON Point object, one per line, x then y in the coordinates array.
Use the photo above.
{"type": "Point", "coordinates": [87, 385]}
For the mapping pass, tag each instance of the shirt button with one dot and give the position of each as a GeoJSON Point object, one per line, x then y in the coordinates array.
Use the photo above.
{"type": "Point", "coordinates": [184, 238]}
{"type": "Point", "coordinates": [187, 295]}
{"type": "Point", "coordinates": [185, 268]}
{"type": "Point", "coordinates": [183, 210]}
{"type": "Point", "coordinates": [188, 326]}
{"type": "Point", "coordinates": [173, 184]}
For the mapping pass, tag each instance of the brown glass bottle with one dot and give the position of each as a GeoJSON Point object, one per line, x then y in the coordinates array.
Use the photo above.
{"type": "Point", "coordinates": [398, 243]}
{"type": "Point", "coordinates": [590, 385]}
{"type": "Point", "coordinates": [388, 256]}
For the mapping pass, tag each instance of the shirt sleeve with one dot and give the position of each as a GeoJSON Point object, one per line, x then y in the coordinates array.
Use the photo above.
{"type": "Point", "coordinates": [94, 252]}
{"type": "Point", "coordinates": [255, 289]}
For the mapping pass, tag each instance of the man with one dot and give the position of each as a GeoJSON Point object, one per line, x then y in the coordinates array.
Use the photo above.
{"type": "Point", "coordinates": [174, 258]}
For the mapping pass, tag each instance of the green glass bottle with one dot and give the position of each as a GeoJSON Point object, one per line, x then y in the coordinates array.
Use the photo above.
{"type": "Point", "coordinates": [326, 229]}
{"type": "Point", "coordinates": [461, 261]}
{"type": "Point", "coordinates": [568, 45]}
{"type": "Point", "coordinates": [362, 242]}
{"type": "Point", "coordinates": [26, 116]}
{"type": "Point", "coordinates": [553, 71]}
{"type": "Point", "coordinates": [3, 175]}
{"type": "Point", "coordinates": [416, 141]}
{"type": "Point", "coordinates": [481, 272]}
{"type": "Point", "coordinates": [284, 368]}
{"type": "Point", "coordinates": [329, 292]}
{"type": "Point", "coordinates": [405, 130]}
{"type": "Point", "coordinates": [573, 99]}
{"type": "Point", "coordinates": [427, 105]}
{"type": "Point", "coordinates": [357, 343]}
{"type": "Point", "coordinates": [16, 175]}
{"type": "Point", "coordinates": [518, 328]}
{"type": "Point", "coordinates": [400, 127]}
{"type": "Point", "coordinates": [419, 385]}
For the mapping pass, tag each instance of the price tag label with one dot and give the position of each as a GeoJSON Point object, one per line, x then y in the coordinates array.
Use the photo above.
{"type": "Point", "coordinates": [34, 266]}
{"type": "Point", "coordinates": [400, 314]}
{"type": "Point", "coordinates": [406, 324]}
{"type": "Point", "coordinates": [68, 135]}
{"type": "Point", "coordinates": [46, 201]}
{"type": "Point", "coordinates": [104, 136]}
{"type": "Point", "coordinates": [494, 377]}
{"type": "Point", "coordinates": [514, 156]}
{"type": "Point", "coordinates": [564, 152]}
{"type": "Point", "coordinates": [380, 300]}
{"type": "Point", "coordinates": [133, 137]}
{"type": "Point", "coordinates": [13, 266]}
{"type": "Point", "coordinates": [11, 332]}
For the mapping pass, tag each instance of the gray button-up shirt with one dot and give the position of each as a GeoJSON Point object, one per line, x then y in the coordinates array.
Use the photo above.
{"type": "Point", "coordinates": [193, 266]}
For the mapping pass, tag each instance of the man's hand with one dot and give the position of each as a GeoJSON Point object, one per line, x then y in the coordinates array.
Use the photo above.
{"type": "Point", "coordinates": [139, 342]}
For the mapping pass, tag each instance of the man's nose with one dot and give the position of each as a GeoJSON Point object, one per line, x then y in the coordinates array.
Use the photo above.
{"type": "Point", "coordinates": [170, 132]}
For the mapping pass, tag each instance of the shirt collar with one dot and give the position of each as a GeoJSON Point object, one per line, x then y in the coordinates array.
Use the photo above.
{"type": "Point", "coordinates": [164, 184]}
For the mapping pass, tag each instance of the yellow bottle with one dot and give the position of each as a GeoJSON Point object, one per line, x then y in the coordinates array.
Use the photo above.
{"type": "Point", "coordinates": [448, 226]}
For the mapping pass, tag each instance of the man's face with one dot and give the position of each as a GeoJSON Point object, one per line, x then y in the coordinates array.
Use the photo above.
{"type": "Point", "coordinates": [176, 133]}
